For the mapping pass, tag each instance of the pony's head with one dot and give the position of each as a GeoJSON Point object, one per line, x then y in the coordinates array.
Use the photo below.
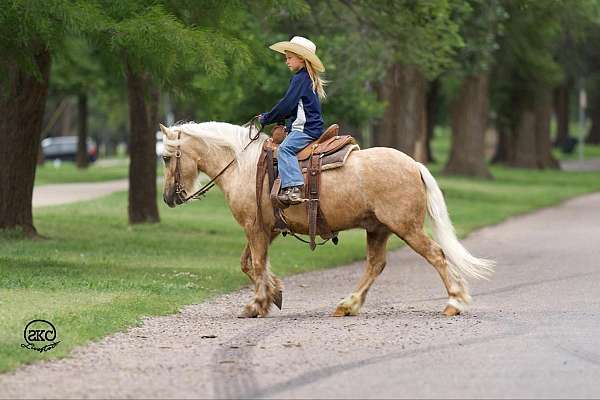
{"type": "Point", "coordinates": [181, 169]}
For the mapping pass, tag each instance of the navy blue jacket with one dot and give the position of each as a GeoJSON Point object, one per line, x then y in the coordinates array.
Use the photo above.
{"type": "Point", "coordinates": [300, 106]}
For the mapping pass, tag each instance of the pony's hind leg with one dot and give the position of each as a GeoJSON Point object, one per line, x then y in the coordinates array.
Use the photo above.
{"type": "Point", "coordinates": [376, 242]}
{"type": "Point", "coordinates": [458, 295]}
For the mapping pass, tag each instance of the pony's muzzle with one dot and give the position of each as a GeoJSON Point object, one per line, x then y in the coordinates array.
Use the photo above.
{"type": "Point", "coordinates": [171, 198]}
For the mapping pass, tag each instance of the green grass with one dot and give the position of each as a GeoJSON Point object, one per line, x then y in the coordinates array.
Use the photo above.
{"type": "Point", "coordinates": [589, 151]}
{"type": "Point", "coordinates": [67, 172]}
{"type": "Point", "coordinates": [96, 275]}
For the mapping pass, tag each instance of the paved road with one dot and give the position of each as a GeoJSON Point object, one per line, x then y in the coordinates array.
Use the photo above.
{"type": "Point", "coordinates": [533, 331]}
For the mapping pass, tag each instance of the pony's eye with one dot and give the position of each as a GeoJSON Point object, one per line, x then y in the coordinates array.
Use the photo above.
{"type": "Point", "coordinates": [166, 159]}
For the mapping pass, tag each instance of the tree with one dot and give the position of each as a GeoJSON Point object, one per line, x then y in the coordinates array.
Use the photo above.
{"type": "Point", "coordinates": [590, 59]}
{"type": "Point", "coordinates": [419, 39]}
{"type": "Point", "coordinates": [524, 75]}
{"type": "Point", "coordinates": [561, 98]}
{"type": "Point", "coordinates": [432, 108]}
{"type": "Point", "coordinates": [593, 136]}
{"type": "Point", "coordinates": [153, 45]}
{"type": "Point", "coordinates": [574, 51]}
{"type": "Point", "coordinates": [75, 74]}
{"type": "Point", "coordinates": [470, 104]}
{"type": "Point", "coordinates": [29, 36]}
{"type": "Point", "coordinates": [593, 83]}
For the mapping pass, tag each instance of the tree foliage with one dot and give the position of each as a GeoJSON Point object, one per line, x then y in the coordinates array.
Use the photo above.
{"type": "Point", "coordinates": [212, 56]}
{"type": "Point", "coordinates": [424, 33]}
{"type": "Point", "coordinates": [26, 27]}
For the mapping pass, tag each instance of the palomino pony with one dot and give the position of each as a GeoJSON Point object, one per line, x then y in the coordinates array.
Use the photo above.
{"type": "Point", "coordinates": [381, 190]}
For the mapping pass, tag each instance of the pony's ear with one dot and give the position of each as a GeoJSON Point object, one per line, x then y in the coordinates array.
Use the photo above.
{"type": "Point", "coordinates": [167, 132]}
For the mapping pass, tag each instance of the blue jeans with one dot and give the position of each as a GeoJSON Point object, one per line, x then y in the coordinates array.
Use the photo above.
{"type": "Point", "coordinates": [289, 168]}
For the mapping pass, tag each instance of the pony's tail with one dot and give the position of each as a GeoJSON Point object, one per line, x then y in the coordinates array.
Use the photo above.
{"type": "Point", "coordinates": [460, 261]}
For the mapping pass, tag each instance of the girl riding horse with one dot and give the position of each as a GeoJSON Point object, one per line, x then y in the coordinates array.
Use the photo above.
{"type": "Point", "coordinates": [301, 106]}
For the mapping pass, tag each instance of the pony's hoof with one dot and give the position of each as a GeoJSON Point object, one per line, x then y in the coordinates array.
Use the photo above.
{"type": "Point", "coordinates": [343, 311]}
{"type": "Point", "coordinates": [339, 312]}
{"type": "Point", "coordinates": [278, 298]}
{"type": "Point", "coordinates": [450, 311]}
{"type": "Point", "coordinates": [248, 312]}
{"type": "Point", "coordinates": [349, 306]}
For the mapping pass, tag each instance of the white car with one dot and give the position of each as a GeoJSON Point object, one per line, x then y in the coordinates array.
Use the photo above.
{"type": "Point", "coordinates": [159, 144]}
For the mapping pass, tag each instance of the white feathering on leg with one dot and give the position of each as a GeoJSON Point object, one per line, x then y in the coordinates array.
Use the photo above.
{"type": "Point", "coordinates": [457, 304]}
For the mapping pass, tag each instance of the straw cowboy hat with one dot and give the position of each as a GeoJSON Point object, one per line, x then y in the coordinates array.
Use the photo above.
{"type": "Point", "coordinates": [303, 47]}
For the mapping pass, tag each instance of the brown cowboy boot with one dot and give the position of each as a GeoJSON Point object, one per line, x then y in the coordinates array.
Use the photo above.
{"type": "Point", "coordinates": [291, 195]}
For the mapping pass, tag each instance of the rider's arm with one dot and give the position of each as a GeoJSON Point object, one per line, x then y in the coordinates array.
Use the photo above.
{"type": "Point", "coordinates": [284, 108]}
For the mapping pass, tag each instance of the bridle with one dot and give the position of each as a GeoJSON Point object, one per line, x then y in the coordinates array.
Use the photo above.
{"type": "Point", "coordinates": [200, 193]}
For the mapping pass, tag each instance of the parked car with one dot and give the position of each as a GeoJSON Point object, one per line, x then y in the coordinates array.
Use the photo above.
{"type": "Point", "coordinates": [159, 145]}
{"type": "Point", "coordinates": [65, 148]}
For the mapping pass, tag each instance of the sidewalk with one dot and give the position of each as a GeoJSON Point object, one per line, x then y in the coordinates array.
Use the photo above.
{"type": "Point", "coordinates": [64, 193]}
{"type": "Point", "coordinates": [584, 165]}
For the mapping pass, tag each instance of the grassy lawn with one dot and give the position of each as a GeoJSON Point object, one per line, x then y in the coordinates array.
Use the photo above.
{"type": "Point", "coordinates": [67, 172]}
{"type": "Point", "coordinates": [589, 151]}
{"type": "Point", "coordinates": [96, 275]}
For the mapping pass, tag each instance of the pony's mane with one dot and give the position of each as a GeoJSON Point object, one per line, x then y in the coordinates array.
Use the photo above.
{"type": "Point", "coordinates": [218, 134]}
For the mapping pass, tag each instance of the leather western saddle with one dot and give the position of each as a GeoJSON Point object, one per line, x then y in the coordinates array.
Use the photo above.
{"type": "Point", "coordinates": [329, 151]}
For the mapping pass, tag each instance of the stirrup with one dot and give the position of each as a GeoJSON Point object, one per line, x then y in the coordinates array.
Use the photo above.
{"type": "Point", "coordinates": [284, 197]}
{"type": "Point", "coordinates": [289, 202]}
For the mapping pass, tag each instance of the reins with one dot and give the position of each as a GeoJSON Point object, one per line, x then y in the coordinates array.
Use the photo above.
{"type": "Point", "coordinates": [197, 195]}
{"type": "Point", "coordinates": [200, 193]}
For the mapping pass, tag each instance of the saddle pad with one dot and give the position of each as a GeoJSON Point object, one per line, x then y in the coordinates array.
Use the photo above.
{"type": "Point", "coordinates": [334, 160]}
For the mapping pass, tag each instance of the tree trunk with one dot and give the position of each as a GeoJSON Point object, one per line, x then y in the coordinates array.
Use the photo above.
{"type": "Point", "coordinates": [403, 124]}
{"type": "Point", "coordinates": [431, 112]}
{"type": "Point", "coordinates": [543, 142]}
{"type": "Point", "coordinates": [82, 160]}
{"type": "Point", "coordinates": [523, 149]}
{"type": "Point", "coordinates": [21, 115]}
{"type": "Point", "coordinates": [561, 109]}
{"type": "Point", "coordinates": [469, 111]}
{"type": "Point", "coordinates": [65, 119]}
{"type": "Point", "coordinates": [384, 131]}
{"type": "Point", "coordinates": [594, 132]}
{"type": "Point", "coordinates": [412, 132]}
{"type": "Point", "coordinates": [502, 147]}
{"type": "Point", "coordinates": [143, 110]}
{"type": "Point", "coordinates": [346, 128]}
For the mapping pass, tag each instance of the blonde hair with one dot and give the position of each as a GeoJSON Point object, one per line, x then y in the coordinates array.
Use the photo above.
{"type": "Point", "coordinates": [318, 82]}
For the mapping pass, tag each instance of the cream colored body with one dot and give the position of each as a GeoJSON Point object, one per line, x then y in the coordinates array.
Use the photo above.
{"type": "Point", "coordinates": [368, 183]}
{"type": "Point", "coordinates": [380, 190]}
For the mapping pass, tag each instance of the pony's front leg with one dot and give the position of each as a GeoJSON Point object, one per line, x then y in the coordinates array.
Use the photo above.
{"type": "Point", "coordinates": [246, 263]}
{"type": "Point", "coordinates": [248, 269]}
{"type": "Point", "coordinates": [267, 287]}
